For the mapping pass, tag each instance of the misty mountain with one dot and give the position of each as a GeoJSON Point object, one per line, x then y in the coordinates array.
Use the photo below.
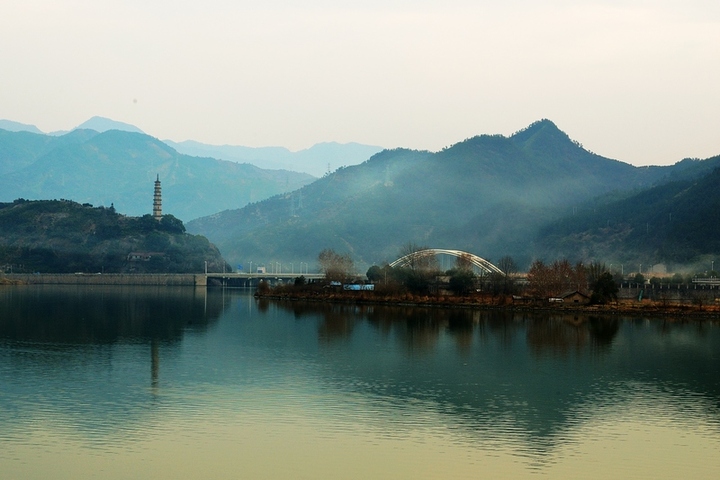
{"type": "Point", "coordinates": [316, 160]}
{"type": "Point", "coordinates": [21, 149]}
{"type": "Point", "coordinates": [676, 222]}
{"type": "Point", "coordinates": [102, 124]}
{"type": "Point", "coordinates": [118, 167]}
{"type": "Point", "coordinates": [99, 124]}
{"type": "Point", "coordinates": [488, 195]}
{"type": "Point", "coordinates": [11, 126]}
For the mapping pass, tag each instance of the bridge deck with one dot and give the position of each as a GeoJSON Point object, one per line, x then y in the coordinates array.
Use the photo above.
{"type": "Point", "coordinates": [285, 275]}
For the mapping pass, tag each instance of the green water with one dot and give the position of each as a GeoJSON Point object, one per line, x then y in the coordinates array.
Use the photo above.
{"type": "Point", "coordinates": [182, 383]}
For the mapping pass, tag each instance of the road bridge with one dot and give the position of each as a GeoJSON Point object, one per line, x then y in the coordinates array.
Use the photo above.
{"type": "Point", "coordinates": [414, 257]}
{"type": "Point", "coordinates": [243, 279]}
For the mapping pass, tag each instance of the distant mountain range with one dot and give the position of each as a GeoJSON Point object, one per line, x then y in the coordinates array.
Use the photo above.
{"type": "Point", "coordinates": [489, 195]}
{"type": "Point", "coordinates": [535, 194]}
{"type": "Point", "coordinates": [119, 167]}
{"type": "Point", "coordinates": [317, 160]}
{"type": "Point", "coordinates": [11, 126]}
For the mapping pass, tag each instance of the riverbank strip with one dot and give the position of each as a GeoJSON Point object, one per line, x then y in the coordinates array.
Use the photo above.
{"type": "Point", "coordinates": [505, 303]}
{"type": "Point", "coordinates": [151, 279]}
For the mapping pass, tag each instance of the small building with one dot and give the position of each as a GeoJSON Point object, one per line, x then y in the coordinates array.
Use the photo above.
{"type": "Point", "coordinates": [358, 286]}
{"type": "Point", "coordinates": [143, 256]}
{"type": "Point", "coordinates": [575, 297]}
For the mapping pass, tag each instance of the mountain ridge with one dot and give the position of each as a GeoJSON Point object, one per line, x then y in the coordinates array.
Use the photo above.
{"type": "Point", "coordinates": [318, 160]}
{"type": "Point", "coordinates": [674, 222]}
{"type": "Point", "coordinates": [488, 194]}
{"type": "Point", "coordinates": [119, 167]}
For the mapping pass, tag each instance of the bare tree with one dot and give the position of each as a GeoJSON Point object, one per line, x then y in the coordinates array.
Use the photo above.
{"type": "Point", "coordinates": [538, 277]}
{"type": "Point", "coordinates": [334, 265]}
{"type": "Point", "coordinates": [595, 270]}
{"type": "Point", "coordinates": [553, 280]}
{"type": "Point", "coordinates": [509, 268]}
{"type": "Point", "coordinates": [464, 262]}
{"type": "Point", "coordinates": [507, 265]}
{"type": "Point", "coordinates": [418, 259]}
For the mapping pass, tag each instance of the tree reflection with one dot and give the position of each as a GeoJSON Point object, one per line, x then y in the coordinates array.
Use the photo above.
{"type": "Point", "coordinates": [419, 329]}
{"type": "Point", "coordinates": [460, 326]}
{"type": "Point", "coordinates": [603, 331]}
{"type": "Point", "coordinates": [503, 326]}
{"type": "Point", "coordinates": [59, 315]}
{"type": "Point", "coordinates": [556, 335]}
{"type": "Point", "coordinates": [336, 325]}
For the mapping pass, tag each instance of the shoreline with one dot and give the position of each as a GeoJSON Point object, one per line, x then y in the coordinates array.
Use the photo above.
{"type": "Point", "coordinates": [621, 307]}
{"type": "Point", "coordinates": [152, 279]}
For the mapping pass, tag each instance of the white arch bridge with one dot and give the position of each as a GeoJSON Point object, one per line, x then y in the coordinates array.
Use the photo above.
{"type": "Point", "coordinates": [414, 257]}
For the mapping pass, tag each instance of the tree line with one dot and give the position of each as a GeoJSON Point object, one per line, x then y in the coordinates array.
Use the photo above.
{"type": "Point", "coordinates": [421, 274]}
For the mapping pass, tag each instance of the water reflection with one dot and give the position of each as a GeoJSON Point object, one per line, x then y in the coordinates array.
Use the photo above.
{"type": "Point", "coordinates": [56, 315]}
{"type": "Point", "coordinates": [423, 392]}
{"type": "Point", "coordinates": [85, 352]}
{"type": "Point", "coordinates": [508, 374]}
{"type": "Point", "coordinates": [421, 328]}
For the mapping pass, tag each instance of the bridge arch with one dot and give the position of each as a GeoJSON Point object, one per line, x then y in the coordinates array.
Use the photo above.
{"type": "Point", "coordinates": [479, 262]}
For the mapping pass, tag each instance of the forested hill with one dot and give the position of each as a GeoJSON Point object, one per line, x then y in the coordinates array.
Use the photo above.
{"type": "Point", "coordinates": [488, 195]}
{"type": "Point", "coordinates": [67, 237]}
{"type": "Point", "coordinates": [120, 167]}
{"type": "Point", "coordinates": [677, 222]}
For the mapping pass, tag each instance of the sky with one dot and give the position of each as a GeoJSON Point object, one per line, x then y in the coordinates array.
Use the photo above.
{"type": "Point", "coordinates": [634, 80]}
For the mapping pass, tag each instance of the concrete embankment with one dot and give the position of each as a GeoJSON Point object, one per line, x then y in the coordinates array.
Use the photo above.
{"type": "Point", "coordinates": [152, 279]}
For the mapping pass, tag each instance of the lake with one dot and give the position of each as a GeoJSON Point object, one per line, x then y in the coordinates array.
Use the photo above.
{"type": "Point", "coordinates": [166, 383]}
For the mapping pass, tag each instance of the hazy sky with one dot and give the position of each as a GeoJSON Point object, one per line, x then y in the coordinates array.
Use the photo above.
{"type": "Point", "coordinates": [634, 80]}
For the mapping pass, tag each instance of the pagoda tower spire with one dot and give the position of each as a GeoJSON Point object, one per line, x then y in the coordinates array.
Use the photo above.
{"type": "Point", "coordinates": [157, 200]}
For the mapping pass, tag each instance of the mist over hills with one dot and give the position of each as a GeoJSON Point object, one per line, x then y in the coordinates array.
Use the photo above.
{"type": "Point", "coordinates": [676, 222]}
{"type": "Point", "coordinates": [102, 124]}
{"type": "Point", "coordinates": [97, 123]}
{"type": "Point", "coordinates": [11, 126]}
{"type": "Point", "coordinates": [534, 194]}
{"type": "Point", "coordinates": [489, 195]}
{"type": "Point", "coordinates": [317, 160]}
{"type": "Point", "coordinates": [119, 167]}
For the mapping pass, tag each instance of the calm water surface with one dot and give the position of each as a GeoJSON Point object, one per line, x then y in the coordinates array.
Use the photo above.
{"type": "Point", "coordinates": [169, 383]}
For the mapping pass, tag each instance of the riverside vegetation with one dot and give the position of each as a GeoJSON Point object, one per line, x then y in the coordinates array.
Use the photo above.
{"type": "Point", "coordinates": [421, 282]}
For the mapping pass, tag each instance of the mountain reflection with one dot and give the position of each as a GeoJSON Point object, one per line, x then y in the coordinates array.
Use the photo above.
{"type": "Point", "coordinates": [99, 353]}
{"type": "Point", "coordinates": [420, 328]}
{"type": "Point", "coordinates": [109, 361]}
{"type": "Point", "coordinates": [539, 374]}
{"type": "Point", "coordinates": [58, 315]}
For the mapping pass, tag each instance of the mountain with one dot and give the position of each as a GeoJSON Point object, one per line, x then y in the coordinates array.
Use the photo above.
{"type": "Point", "coordinates": [11, 126]}
{"type": "Point", "coordinates": [677, 223]}
{"type": "Point", "coordinates": [102, 124]}
{"type": "Point", "coordinates": [65, 237]}
{"type": "Point", "coordinates": [21, 149]}
{"type": "Point", "coordinates": [118, 167]}
{"type": "Point", "coordinates": [488, 195]}
{"type": "Point", "coordinates": [316, 160]}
